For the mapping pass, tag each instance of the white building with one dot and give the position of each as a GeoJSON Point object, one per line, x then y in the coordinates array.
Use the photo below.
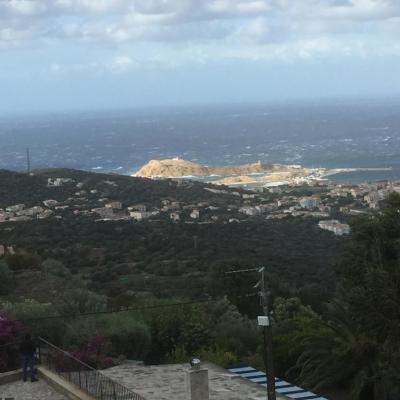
{"type": "Point", "coordinates": [50, 203]}
{"type": "Point", "coordinates": [138, 207]}
{"type": "Point", "coordinates": [56, 182]}
{"type": "Point", "coordinates": [140, 215]}
{"type": "Point", "coordinates": [15, 208]}
{"type": "Point", "coordinates": [175, 217]}
{"type": "Point", "coordinates": [309, 202]}
{"type": "Point", "coordinates": [335, 226]}
{"type": "Point", "coordinates": [195, 214]}
{"type": "Point", "coordinates": [252, 211]}
{"type": "Point", "coordinates": [104, 212]}
{"type": "Point", "coordinates": [115, 205]}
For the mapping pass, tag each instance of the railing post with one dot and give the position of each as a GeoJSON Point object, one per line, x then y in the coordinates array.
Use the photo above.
{"type": "Point", "coordinates": [86, 375]}
{"type": "Point", "coordinates": [101, 390]}
{"type": "Point", "coordinates": [79, 376]}
{"type": "Point", "coordinates": [114, 393]}
{"type": "Point", "coordinates": [97, 384]}
{"type": "Point", "coordinates": [39, 350]}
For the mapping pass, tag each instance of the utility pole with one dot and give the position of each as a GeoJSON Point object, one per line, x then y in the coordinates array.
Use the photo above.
{"type": "Point", "coordinates": [266, 322]}
{"type": "Point", "coordinates": [266, 302]}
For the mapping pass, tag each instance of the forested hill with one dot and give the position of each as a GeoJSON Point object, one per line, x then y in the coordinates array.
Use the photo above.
{"type": "Point", "coordinates": [18, 187]}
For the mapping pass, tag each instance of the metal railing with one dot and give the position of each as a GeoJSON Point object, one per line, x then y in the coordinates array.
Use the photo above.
{"type": "Point", "coordinates": [82, 375]}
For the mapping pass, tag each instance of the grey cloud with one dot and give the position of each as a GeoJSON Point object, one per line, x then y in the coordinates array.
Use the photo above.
{"type": "Point", "coordinates": [256, 21]}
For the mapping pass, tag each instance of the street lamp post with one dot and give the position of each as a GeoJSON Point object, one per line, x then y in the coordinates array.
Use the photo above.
{"type": "Point", "coordinates": [266, 322]}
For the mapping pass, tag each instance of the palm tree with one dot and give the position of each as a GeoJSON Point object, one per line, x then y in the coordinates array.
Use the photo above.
{"type": "Point", "coordinates": [338, 354]}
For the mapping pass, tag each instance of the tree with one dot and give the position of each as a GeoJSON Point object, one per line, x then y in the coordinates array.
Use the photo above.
{"type": "Point", "coordinates": [6, 279]}
{"type": "Point", "coordinates": [22, 261]}
{"type": "Point", "coordinates": [55, 267]}
{"type": "Point", "coordinates": [336, 353]}
{"type": "Point", "coordinates": [359, 345]}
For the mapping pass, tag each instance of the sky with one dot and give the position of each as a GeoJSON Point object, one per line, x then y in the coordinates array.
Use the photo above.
{"type": "Point", "coordinates": [93, 54]}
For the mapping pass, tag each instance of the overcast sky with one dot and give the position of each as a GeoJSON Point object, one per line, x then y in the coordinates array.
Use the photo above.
{"type": "Point", "coordinates": [63, 54]}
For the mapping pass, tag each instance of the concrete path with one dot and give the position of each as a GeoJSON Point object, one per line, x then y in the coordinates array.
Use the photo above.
{"type": "Point", "coordinates": [29, 391]}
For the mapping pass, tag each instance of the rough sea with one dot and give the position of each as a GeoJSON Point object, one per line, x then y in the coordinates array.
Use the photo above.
{"type": "Point", "coordinates": [362, 133]}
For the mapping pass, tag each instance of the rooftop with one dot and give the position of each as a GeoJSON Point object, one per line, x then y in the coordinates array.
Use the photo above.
{"type": "Point", "coordinates": [166, 382]}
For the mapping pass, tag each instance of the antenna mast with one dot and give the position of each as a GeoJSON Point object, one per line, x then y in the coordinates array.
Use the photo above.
{"type": "Point", "coordinates": [28, 162]}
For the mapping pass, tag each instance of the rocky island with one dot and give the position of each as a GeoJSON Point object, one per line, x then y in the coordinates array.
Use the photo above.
{"type": "Point", "coordinates": [172, 168]}
{"type": "Point", "coordinates": [254, 173]}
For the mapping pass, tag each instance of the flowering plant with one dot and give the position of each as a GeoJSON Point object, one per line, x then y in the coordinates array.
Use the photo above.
{"type": "Point", "coordinates": [10, 332]}
{"type": "Point", "coordinates": [94, 353]}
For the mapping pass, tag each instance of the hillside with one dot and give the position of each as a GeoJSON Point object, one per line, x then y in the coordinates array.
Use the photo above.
{"type": "Point", "coordinates": [17, 187]}
{"type": "Point", "coordinates": [169, 252]}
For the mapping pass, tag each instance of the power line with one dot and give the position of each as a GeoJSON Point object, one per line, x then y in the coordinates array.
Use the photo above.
{"type": "Point", "coordinates": [153, 307]}
{"type": "Point", "coordinates": [143, 308]}
{"type": "Point", "coordinates": [238, 271]}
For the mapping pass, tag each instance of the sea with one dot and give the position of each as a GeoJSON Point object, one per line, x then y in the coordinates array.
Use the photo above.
{"type": "Point", "coordinates": [345, 133]}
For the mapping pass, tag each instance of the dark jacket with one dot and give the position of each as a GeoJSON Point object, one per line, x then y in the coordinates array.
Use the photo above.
{"type": "Point", "coordinates": [27, 348]}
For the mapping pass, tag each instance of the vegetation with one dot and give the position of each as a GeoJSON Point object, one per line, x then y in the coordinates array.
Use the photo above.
{"type": "Point", "coordinates": [335, 328]}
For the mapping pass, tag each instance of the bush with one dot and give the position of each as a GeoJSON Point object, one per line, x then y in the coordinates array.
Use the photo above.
{"type": "Point", "coordinates": [78, 332]}
{"type": "Point", "coordinates": [127, 336]}
{"type": "Point", "coordinates": [50, 329]}
{"type": "Point", "coordinates": [218, 356]}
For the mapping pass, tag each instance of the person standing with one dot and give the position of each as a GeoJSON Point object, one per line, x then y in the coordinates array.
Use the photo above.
{"type": "Point", "coordinates": [28, 350]}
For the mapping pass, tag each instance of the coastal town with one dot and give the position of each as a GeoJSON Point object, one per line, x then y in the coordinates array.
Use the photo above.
{"type": "Point", "coordinates": [330, 205]}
